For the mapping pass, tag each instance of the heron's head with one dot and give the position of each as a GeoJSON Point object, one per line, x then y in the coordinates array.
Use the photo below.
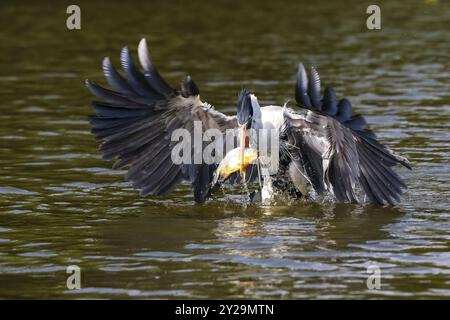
{"type": "Point", "coordinates": [248, 111]}
{"type": "Point", "coordinates": [248, 117]}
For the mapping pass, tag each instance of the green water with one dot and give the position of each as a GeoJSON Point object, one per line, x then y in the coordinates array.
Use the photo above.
{"type": "Point", "coordinates": [61, 205]}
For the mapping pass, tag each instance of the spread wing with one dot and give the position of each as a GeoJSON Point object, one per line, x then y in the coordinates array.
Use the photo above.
{"type": "Point", "coordinates": [135, 120]}
{"type": "Point", "coordinates": [336, 150]}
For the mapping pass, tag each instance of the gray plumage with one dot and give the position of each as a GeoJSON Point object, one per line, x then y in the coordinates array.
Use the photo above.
{"type": "Point", "coordinates": [136, 119]}
{"type": "Point", "coordinates": [323, 145]}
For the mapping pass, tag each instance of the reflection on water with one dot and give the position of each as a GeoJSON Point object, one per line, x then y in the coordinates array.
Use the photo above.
{"type": "Point", "coordinates": [61, 205]}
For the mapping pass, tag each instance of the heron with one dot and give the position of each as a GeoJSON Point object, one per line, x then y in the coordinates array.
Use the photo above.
{"type": "Point", "coordinates": [323, 148]}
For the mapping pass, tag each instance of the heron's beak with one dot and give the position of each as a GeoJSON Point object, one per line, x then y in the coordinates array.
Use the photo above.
{"type": "Point", "coordinates": [243, 143]}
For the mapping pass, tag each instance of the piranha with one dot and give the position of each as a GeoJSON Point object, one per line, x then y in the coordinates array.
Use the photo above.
{"type": "Point", "coordinates": [238, 159]}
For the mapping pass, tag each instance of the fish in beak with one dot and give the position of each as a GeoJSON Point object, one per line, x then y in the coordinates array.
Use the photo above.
{"type": "Point", "coordinates": [238, 159]}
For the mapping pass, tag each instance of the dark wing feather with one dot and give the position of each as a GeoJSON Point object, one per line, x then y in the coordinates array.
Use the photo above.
{"type": "Point", "coordinates": [302, 151]}
{"type": "Point", "coordinates": [344, 110]}
{"type": "Point", "coordinates": [348, 152]}
{"type": "Point", "coordinates": [345, 157]}
{"type": "Point", "coordinates": [301, 88]}
{"type": "Point", "coordinates": [314, 89]}
{"type": "Point", "coordinates": [152, 75]}
{"type": "Point", "coordinates": [135, 78]}
{"type": "Point", "coordinates": [115, 80]}
{"type": "Point", "coordinates": [135, 121]}
{"type": "Point", "coordinates": [307, 95]}
{"type": "Point", "coordinates": [329, 102]}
